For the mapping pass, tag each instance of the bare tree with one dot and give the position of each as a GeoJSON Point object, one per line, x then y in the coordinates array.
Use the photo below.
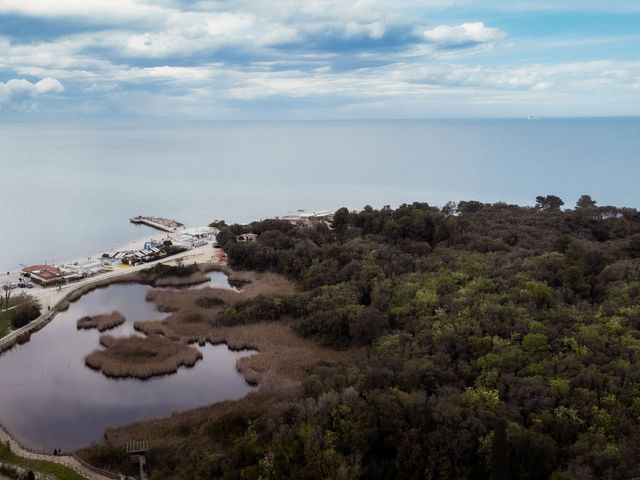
{"type": "Point", "coordinates": [8, 290]}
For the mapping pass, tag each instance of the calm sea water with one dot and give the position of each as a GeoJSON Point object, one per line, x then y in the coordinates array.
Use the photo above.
{"type": "Point", "coordinates": [68, 189]}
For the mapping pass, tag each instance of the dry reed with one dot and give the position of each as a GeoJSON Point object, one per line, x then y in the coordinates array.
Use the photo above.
{"type": "Point", "coordinates": [101, 322]}
{"type": "Point", "coordinates": [193, 279]}
{"type": "Point", "coordinates": [141, 357]}
{"type": "Point", "coordinates": [278, 363]}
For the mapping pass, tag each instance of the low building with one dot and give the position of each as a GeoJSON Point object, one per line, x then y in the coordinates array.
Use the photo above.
{"type": "Point", "coordinates": [46, 275]}
{"type": "Point", "coordinates": [247, 238]}
{"type": "Point", "coordinates": [306, 219]}
{"type": "Point", "coordinates": [200, 232]}
{"type": "Point", "coordinates": [89, 268]}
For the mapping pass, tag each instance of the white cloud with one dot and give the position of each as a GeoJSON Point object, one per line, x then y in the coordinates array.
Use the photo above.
{"type": "Point", "coordinates": [97, 11]}
{"type": "Point", "coordinates": [465, 34]}
{"type": "Point", "coordinates": [375, 30]}
{"type": "Point", "coordinates": [242, 52]}
{"type": "Point", "coordinates": [16, 91]}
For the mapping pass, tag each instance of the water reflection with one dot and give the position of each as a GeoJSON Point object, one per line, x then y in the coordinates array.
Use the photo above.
{"type": "Point", "coordinates": [50, 399]}
{"type": "Point", "coordinates": [217, 280]}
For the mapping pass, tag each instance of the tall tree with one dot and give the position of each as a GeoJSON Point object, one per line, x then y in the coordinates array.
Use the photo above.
{"type": "Point", "coordinates": [8, 290]}
{"type": "Point", "coordinates": [341, 220]}
{"type": "Point", "coordinates": [549, 203]}
{"type": "Point", "coordinates": [585, 201]}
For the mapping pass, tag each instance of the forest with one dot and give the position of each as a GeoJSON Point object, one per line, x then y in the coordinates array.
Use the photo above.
{"type": "Point", "coordinates": [484, 341]}
{"type": "Point", "coordinates": [500, 342]}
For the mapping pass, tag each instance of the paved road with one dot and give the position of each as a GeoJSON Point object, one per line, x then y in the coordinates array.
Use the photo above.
{"type": "Point", "coordinates": [50, 296]}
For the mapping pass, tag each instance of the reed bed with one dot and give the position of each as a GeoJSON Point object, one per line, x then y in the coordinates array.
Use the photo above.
{"type": "Point", "coordinates": [63, 305]}
{"type": "Point", "coordinates": [101, 322]}
{"type": "Point", "coordinates": [141, 357]}
{"type": "Point", "coordinates": [209, 302]}
{"type": "Point", "coordinates": [151, 327]}
{"type": "Point", "coordinates": [193, 279]}
{"type": "Point", "coordinates": [83, 290]}
{"type": "Point", "coordinates": [277, 361]}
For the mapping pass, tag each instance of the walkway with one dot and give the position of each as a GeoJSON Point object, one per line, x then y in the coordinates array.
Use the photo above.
{"type": "Point", "coordinates": [66, 460]}
{"type": "Point", "coordinates": [50, 297]}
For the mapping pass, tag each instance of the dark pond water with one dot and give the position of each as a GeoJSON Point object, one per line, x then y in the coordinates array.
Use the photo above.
{"type": "Point", "coordinates": [50, 399]}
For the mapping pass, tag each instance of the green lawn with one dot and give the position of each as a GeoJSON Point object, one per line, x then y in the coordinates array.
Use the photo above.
{"type": "Point", "coordinates": [60, 472]}
{"type": "Point", "coordinates": [5, 321]}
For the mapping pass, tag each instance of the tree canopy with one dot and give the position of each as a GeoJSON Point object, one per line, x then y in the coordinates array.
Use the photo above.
{"type": "Point", "coordinates": [498, 342]}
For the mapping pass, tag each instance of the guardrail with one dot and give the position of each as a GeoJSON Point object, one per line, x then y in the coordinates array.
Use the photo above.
{"type": "Point", "coordinates": [68, 460]}
{"type": "Point", "coordinates": [99, 471]}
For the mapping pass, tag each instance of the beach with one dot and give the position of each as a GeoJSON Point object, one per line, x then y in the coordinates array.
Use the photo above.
{"type": "Point", "coordinates": [49, 297]}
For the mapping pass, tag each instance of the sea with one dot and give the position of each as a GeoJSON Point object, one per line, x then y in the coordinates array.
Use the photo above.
{"type": "Point", "coordinates": [67, 190]}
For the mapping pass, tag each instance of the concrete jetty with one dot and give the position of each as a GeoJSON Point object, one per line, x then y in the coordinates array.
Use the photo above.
{"type": "Point", "coordinates": [164, 224]}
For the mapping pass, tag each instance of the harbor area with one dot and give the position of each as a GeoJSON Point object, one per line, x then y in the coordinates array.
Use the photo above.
{"type": "Point", "coordinates": [159, 223]}
{"type": "Point", "coordinates": [48, 282]}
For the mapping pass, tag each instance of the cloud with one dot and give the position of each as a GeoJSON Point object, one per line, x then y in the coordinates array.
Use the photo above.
{"type": "Point", "coordinates": [195, 57]}
{"type": "Point", "coordinates": [18, 91]}
{"type": "Point", "coordinates": [463, 35]}
{"type": "Point", "coordinates": [97, 12]}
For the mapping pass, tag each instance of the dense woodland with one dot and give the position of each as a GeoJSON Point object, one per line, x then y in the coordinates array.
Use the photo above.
{"type": "Point", "coordinates": [493, 341]}
{"type": "Point", "coordinates": [501, 342]}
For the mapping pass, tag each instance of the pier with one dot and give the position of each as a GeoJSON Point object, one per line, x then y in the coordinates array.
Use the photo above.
{"type": "Point", "coordinates": [164, 224]}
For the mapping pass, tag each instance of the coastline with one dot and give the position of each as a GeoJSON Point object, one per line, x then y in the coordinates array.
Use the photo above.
{"type": "Point", "coordinates": [52, 300]}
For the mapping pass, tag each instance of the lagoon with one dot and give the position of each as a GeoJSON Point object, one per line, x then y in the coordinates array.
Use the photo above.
{"type": "Point", "coordinates": [50, 399]}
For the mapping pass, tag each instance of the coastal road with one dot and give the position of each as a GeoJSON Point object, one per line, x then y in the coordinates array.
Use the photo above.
{"type": "Point", "coordinates": [50, 296]}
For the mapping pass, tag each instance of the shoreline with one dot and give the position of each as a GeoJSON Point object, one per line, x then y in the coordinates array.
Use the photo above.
{"type": "Point", "coordinates": [52, 300]}
{"type": "Point", "coordinates": [134, 244]}
{"type": "Point", "coordinates": [69, 460]}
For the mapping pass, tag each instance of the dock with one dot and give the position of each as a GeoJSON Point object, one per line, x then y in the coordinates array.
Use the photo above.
{"type": "Point", "coordinates": [164, 224]}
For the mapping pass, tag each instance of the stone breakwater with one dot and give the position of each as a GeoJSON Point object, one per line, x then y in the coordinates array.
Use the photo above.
{"type": "Point", "coordinates": [165, 224]}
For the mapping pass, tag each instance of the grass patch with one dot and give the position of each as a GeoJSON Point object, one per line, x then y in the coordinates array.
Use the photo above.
{"type": "Point", "coordinates": [60, 472]}
{"type": "Point", "coordinates": [5, 321]}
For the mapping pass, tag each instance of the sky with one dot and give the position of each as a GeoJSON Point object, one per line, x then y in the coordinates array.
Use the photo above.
{"type": "Point", "coordinates": [318, 59]}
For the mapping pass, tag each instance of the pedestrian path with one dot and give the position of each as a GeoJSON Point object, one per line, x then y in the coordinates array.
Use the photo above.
{"type": "Point", "coordinates": [69, 461]}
